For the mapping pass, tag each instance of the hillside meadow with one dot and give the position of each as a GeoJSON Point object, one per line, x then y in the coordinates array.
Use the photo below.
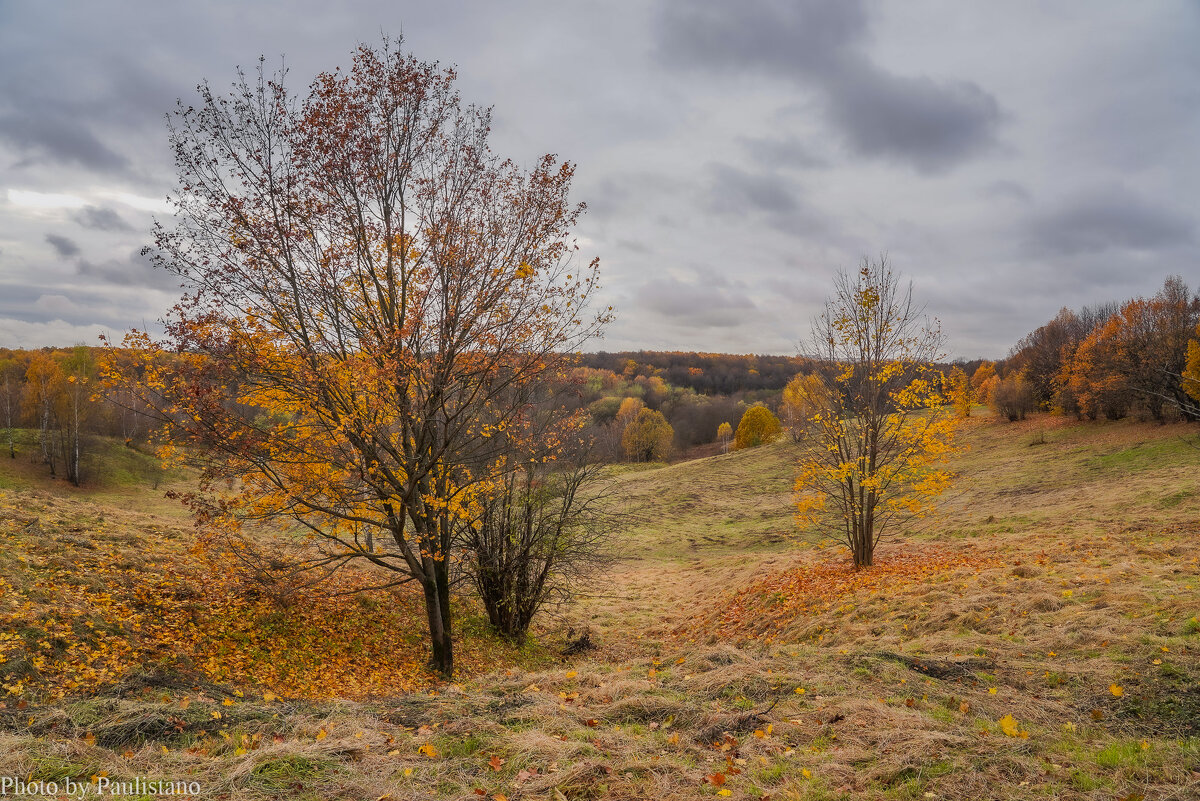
{"type": "Point", "coordinates": [1036, 638]}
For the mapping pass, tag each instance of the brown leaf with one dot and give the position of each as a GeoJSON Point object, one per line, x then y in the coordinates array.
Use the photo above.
{"type": "Point", "coordinates": [495, 762]}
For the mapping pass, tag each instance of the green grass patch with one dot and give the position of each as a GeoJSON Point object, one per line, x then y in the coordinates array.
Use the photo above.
{"type": "Point", "coordinates": [281, 773]}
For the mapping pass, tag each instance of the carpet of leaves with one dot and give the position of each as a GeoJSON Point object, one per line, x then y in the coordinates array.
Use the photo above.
{"type": "Point", "coordinates": [768, 607]}
{"type": "Point", "coordinates": [83, 606]}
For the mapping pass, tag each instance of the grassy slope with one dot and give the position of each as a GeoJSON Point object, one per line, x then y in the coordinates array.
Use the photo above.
{"type": "Point", "coordinates": [1062, 570]}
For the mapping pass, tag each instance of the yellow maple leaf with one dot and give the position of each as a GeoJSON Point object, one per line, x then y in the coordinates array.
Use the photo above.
{"type": "Point", "coordinates": [1008, 725]}
{"type": "Point", "coordinates": [428, 750]}
{"type": "Point", "coordinates": [993, 690]}
{"type": "Point", "coordinates": [1116, 689]}
{"type": "Point", "coordinates": [724, 791]}
{"type": "Point", "coordinates": [571, 674]}
{"type": "Point", "coordinates": [806, 773]}
{"type": "Point", "coordinates": [322, 734]}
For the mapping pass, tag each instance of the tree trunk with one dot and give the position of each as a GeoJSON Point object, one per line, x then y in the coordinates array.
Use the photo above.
{"type": "Point", "coordinates": [437, 609]}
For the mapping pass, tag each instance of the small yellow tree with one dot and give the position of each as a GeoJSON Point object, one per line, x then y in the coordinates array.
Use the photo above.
{"type": "Point", "coordinates": [724, 434]}
{"type": "Point", "coordinates": [648, 438]}
{"type": "Point", "coordinates": [961, 394]}
{"type": "Point", "coordinates": [803, 397]}
{"type": "Point", "coordinates": [981, 381]}
{"type": "Point", "coordinates": [873, 459]}
{"type": "Point", "coordinates": [628, 412]}
{"type": "Point", "coordinates": [1191, 373]}
{"type": "Point", "coordinates": [757, 427]}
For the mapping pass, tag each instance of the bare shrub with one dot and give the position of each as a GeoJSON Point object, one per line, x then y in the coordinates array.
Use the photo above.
{"type": "Point", "coordinates": [1012, 398]}
{"type": "Point", "coordinates": [534, 542]}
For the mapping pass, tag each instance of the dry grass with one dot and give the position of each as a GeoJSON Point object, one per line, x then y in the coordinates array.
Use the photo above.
{"type": "Point", "coordinates": [1058, 575]}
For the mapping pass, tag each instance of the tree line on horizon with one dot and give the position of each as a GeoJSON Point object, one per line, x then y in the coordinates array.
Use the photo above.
{"type": "Point", "coordinates": [1137, 358]}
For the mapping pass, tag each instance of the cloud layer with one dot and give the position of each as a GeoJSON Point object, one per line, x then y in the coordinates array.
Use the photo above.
{"type": "Point", "coordinates": [1011, 159]}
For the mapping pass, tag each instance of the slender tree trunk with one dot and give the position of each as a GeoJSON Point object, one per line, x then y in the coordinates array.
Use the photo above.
{"type": "Point", "coordinates": [75, 454]}
{"type": "Point", "coordinates": [47, 445]}
{"type": "Point", "coordinates": [439, 628]}
{"type": "Point", "coordinates": [443, 592]}
{"type": "Point", "coordinates": [8, 420]}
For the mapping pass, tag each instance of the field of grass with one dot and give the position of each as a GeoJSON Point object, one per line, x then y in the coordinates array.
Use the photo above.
{"type": "Point", "coordinates": [1037, 638]}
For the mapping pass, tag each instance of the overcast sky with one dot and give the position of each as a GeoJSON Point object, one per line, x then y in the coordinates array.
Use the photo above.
{"type": "Point", "coordinates": [1011, 158]}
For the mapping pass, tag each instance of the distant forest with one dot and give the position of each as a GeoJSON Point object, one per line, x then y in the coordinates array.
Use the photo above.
{"type": "Point", "coordinates": [706, 373]}
{"type": "Point", "coordinates": [1140, 358]}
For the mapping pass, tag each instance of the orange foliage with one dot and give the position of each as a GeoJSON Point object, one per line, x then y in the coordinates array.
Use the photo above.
{"type": "Point", "coordinates": [769, 605]}
{"type": "Point", "coordinates": [85, 622]}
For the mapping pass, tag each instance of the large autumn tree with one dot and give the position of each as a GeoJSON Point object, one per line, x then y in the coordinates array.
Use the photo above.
{"type": "Point", "coordinates": [879, 429]}
{"type": "Point", "coordinates": [376, 304]}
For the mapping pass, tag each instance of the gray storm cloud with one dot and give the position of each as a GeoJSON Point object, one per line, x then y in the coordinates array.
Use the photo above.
{"type": "Point", "coordinates": [1011, 158]}
{"type": "Point", "coordinates": [930, 124]}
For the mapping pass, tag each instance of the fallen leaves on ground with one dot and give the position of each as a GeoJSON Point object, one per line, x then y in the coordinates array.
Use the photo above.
{"type": "Point", "coordinates": [78, 617]}
{"type": "Point", "coordinates": [769, 605]}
